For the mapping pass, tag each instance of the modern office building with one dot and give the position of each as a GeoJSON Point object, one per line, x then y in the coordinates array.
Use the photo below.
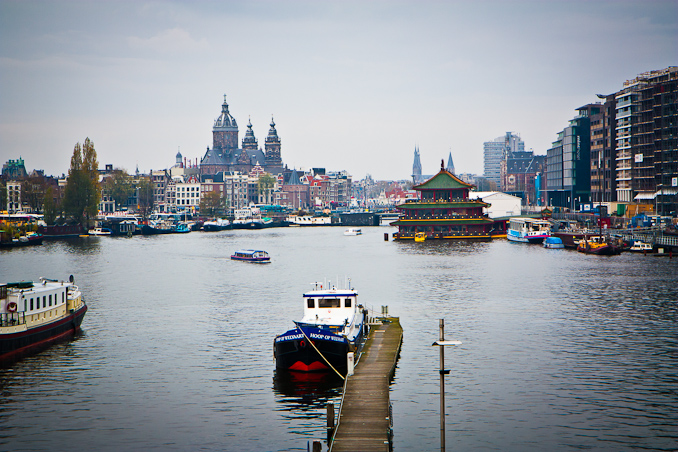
{"type": "Point", "coordinates": [568, 163]}
{"type": "Point", "coordinates": [496, 151]}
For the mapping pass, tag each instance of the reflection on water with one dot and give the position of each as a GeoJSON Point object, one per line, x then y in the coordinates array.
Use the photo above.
{"type": "Point", "coordinates": [560, 350]}
{"type": "Point", "coordinates": [306, 391]}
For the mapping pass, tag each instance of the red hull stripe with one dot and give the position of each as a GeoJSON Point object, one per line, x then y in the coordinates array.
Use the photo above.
{"type": "Point", "coordinates": [315, 365]}
{"type": "Point", "coordinates": [39, 344]}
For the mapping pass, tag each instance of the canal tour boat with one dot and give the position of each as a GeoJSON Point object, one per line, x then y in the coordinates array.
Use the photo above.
{"type": "Point", "coordinates": [257, 256]}
{"type": "Point", "coordinates": [528, 230]}
{"type": "Point", "coordinates": [35, 314]}
{"type": "Point", "coordinates": [333, 325]}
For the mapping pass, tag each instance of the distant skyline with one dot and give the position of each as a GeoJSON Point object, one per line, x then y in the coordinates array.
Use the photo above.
{"type": "Point", "coordinates": [351, 85]}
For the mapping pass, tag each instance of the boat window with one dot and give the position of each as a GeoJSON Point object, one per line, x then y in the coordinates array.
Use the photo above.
{"type": "Point", "coordinates": [44, 301]}
{"type": "Point", "coordinates": [50, 299]}
{"type": "Point", "coordinates": [310, 303]}
{"type": "Point", "coordinates": [347, 303]}
{"type": "Point", "coordinates": [329, 303]}
{"type": "Point", "coordinates": [31, 304]}
{"type": "Point", "coordinates": [62, 297]}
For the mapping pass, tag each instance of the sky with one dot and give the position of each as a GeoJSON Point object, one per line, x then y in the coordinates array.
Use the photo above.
{"type": "Point", "coordinates": [351, 86]}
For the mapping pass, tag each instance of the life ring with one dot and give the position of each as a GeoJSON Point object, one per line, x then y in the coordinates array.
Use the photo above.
{"type": "Point", "coordinates": [302, 344]}
{"type": "Point", "coordinates": [11, 306]}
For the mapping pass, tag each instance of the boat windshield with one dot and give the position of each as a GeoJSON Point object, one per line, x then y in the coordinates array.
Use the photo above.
{"type": "Point", "coordinates": [329, 303]}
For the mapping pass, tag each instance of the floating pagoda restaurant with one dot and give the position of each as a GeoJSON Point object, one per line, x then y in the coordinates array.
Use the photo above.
{"type": "Point", "coordinates": [443, 210]}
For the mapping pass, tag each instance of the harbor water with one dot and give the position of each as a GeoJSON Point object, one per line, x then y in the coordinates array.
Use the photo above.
{"type": "Point", "coordinates": [561, 350]}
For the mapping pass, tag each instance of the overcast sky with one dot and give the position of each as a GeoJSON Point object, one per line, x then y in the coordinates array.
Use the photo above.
{"type": "Point", "coordinates": [351, 85]}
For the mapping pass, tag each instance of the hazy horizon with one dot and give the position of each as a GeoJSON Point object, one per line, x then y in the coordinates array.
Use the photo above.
{"type": "Point", "coordinates": [351, 86]}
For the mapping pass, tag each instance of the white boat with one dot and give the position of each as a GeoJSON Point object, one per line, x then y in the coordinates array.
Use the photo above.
{"type": "Point", "coordinates": [34, 314]}
{"type": "Point", "coordinates": [353, 231]}
{"type": "Point", "coordinates": [641, 247]}
{"type": "Point", "coordinates": [333, 325]}
{"type": "Point", "coordinates": [218, 224]}
{"type": "Point", "coordinates": [250, 218]}
{"type": "Point", "coordinates": [307, 220]}
{"type": "Point", "coordinates": [100, 231]}
{"type": "Point", "coordinates": [528, 230]}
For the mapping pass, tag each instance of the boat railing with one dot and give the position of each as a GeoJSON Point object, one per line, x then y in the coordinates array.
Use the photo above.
{"type": "Point", "coordinates": [12, 318]}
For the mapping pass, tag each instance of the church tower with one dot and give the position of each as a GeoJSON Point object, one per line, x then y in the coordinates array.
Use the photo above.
{"type": "Point", "coordinates": [225, 132]}
{"type": "Point", "coordinates": [416, 167]}
{"type": "Point", "coordinates": [272, 147]}
{"type": "Point", "coordinates": [450, 164]}
{"type": "Point", "coordinates": [250, 142]}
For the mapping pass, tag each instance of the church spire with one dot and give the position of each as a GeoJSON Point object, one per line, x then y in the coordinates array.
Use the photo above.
{"type": "Point", "coordinates": [450, 164]}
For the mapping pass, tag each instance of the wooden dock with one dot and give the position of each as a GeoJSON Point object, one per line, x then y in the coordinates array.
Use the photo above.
{"type": "Point", "coordinates": [364, 422]}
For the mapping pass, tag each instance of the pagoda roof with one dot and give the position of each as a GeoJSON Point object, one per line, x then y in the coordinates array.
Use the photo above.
{"type": "Point", "coordinates": [443, 205]}
{"type": "Point", "coordinates": [444, 179]}
{"type": "Point", "coordinates": [441, 222]}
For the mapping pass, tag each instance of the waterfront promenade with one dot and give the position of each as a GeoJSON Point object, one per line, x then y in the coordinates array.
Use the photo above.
{"type": "Point", "coordinates": [365, 415]}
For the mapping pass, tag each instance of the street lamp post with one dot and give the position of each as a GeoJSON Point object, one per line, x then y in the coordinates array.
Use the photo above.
{"type": "Point", "coordinates": [442, 343]}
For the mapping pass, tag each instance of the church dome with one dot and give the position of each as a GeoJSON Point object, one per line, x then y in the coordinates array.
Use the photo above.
{"type": "Point", "coordinates": [225, 120]}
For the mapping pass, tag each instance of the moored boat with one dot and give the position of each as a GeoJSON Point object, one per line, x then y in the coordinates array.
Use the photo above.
{"type": "Point", "coordinates": [528, 230]}
{"type": "Point", "coordinates": [257, 256]}
{"type": "Point", "coordinates": [599, 244]}
{"type": "Point", "coordinates": [32, 238]}
{"type": "Point", "coordinates": [641, 247]}
{"type": "Point", "coordinates": [333, 325]}
{"type": "Point", "coordinates": [553, 243]}
{"type": "Point", "coordinates": [218, 224]}
{"type": "Point", "coordinates": [419, 236]}
{"type": "Point", "coordinates": [35, 314]}
{"type": "Point", "coordinates": [100, 231]}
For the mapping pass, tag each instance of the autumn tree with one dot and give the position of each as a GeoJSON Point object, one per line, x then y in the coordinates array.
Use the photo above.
{"type": "Point", "coordinates": [50, 209]}
{"type": "Point", "coordinates": [33, 190]}
{"type": "Point", "coordinates": [265, 185]}
{"type": "Point", "coordinates": [83, 193]}
{"type": "Point", "coordinates": [144, 188]}
{"type": "Point", "coordinates": [119, 186]}
{"type": "Point", "coordinates": [212, 204]}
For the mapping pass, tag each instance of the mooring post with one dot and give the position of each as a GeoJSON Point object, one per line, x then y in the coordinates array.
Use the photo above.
{"type": "Point", "coordinates": [317, 446]}
{"type": "Point", "coordinates": [441, 338]}
{"type": "Point", "coordinates": [330, 415]}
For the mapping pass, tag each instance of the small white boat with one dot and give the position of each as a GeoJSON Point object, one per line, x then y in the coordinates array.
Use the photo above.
{"type": "Point", "coordinates": [641, 247]}
{"type": "Point", "coordinates": [100, 231]}
{"type": "Point", "coordinates": [353, 231]}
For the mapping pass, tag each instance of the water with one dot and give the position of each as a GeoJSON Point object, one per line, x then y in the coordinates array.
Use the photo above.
{"type": "Point", "coordinates": [561, 351]}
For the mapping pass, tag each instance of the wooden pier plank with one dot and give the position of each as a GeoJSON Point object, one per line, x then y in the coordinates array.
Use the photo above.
{"type": "Point", "coordinates": [364, 414]}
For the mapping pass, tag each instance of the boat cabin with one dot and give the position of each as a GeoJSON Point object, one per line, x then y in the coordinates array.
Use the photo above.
{"type": "Point", "coordinates": [333, 307]}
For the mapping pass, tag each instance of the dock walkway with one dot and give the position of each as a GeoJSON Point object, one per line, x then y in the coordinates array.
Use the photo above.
{"type": "Point", "coordinates": [364, 418]}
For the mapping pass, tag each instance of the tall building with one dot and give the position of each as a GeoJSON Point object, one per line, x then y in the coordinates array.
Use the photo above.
{"type": "Point", "coordinates": [518, 175]}
{"type": "Point", "coordinates": [568, 162]}
{"type": "Point", "coordinates": [603, 143]}
{"type": "Point", "coordinates": [647, 135]}
{"type": "Point", "coordinates": [495, 152]}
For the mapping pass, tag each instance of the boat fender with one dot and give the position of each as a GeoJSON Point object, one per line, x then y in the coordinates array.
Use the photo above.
{"type": "Point", "coordinates": [11, 306]}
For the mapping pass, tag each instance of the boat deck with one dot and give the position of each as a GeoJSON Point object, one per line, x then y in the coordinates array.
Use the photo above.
{"type": "Point", "coordinates": [364, 422]}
